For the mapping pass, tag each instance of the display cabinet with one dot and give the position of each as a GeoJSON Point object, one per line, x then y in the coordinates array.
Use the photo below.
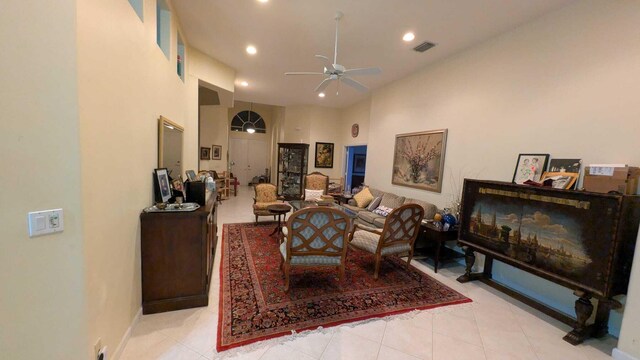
{"type": "Point", "coordinates": [292, 166]}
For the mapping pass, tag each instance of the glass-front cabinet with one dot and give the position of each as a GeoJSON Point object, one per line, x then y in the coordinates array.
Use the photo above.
{"type": "Point", "coordinates": [292, 167]}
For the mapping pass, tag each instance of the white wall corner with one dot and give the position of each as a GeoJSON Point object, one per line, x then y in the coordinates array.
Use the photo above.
{"type": "Point", "coordinates": [618, 354]}
{"type": "Point", "coordinates": [127, 335]}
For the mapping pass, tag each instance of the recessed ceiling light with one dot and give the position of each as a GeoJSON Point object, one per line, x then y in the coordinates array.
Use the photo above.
{"type": "Point", "coordinates": [244, 83]}
{"type": "Point", "coordinates": [263, 1]}
{"type": "Point", "coordinates": [408, 37]}
{"type": "Point", "coordinates": [321, 95]}
{"type": "Point", "coordinates": [251, 50]}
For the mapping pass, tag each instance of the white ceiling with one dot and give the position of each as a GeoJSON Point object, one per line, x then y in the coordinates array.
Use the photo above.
{"type": "Point", "coordinates": [288, 33]}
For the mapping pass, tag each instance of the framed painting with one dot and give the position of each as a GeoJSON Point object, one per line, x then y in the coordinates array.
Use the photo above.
{"type": "Point", "coordinates": [205, 153]}
{"type": "Point", "coordinates": [191, 175]}
{"type": "Point", "coordinates": [216, 152]}
{"type": "Point", "coordinates": [560, 179]}
{"type": "Point", "coordinates": [418, 160]}
{"type": "Point", "coordinates": [163, 189]}
{"type": "Point", "coordinates": [324, 155]}
{"type": "Point", "coordinates": [530, 167]}
{"type": "Point", "coordinates": [565, 165]}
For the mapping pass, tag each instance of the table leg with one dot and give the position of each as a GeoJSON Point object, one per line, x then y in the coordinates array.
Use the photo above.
{"type": "Point", "coordinates": [278, 227]}
{"type": "Point", "coordinates": [437, 260]}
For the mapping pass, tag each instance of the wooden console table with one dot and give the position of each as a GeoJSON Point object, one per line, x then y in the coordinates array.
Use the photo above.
{"type": "Point", "coordinates": [177, 250]}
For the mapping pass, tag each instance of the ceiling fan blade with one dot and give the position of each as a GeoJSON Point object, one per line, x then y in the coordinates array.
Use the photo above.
{"type": "Point", "coordinates": [354, 84]}
{"type": "Point", "coordinates": [303, 73]}
{"type": "Point", "coordinates": [327, 62]}
{"type": "Point", "coordinates": [323, 85]}
{"type": "Point", "coordinates": [363, 71]}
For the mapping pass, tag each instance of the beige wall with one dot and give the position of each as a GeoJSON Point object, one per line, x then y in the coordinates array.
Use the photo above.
{"type": "Point", "coordinates": [42, 308]}
{"type": "Point", "coordinates": [214, 130]}
{"type": "Point", "coordinates": [358, 113]}
{"type": "Point", "coordinates": [565, 84]}
{"type": "Point", "coordinates": [125, 84]}
{"type": "Point", "coordinates": [311, 124]}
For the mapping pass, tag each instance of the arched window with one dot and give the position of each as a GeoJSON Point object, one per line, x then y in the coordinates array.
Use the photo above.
{"type": "Point", "coordinates": [243, 119]}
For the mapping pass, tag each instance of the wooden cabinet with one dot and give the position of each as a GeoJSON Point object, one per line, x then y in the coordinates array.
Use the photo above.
{"type": "Point", "coordinates": [177, 250]}
{"type": "Point", "coordinates": [581, 240]}
{"type": "Point", "coordinates": [292, 167]}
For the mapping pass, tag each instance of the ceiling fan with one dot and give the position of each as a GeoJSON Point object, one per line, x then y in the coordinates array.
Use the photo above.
{"type": "Point", "coordinates": [334, 71]}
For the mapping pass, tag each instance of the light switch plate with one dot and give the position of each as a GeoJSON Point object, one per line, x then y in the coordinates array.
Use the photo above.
{"type": "Point", "coordinates": [45, 222]}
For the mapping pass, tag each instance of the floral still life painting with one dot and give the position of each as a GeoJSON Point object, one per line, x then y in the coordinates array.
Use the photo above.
{"type": "Point", "coordinates": [418, 160]}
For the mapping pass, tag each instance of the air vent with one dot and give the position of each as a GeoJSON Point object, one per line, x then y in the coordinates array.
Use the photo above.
{"type": "Point", "coordinates": [424, 46]}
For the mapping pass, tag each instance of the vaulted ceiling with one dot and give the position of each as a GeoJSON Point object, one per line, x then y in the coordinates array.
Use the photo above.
{"type": "Point", "coordinates": [288, 33]}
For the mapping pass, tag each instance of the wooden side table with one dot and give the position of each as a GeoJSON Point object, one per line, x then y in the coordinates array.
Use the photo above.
{"type": "Point", "coordinates": [429, 233]}
{"type": "Point", "coordinates": [280, 210]}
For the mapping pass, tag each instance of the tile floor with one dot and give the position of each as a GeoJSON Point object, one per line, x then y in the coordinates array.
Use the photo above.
{"type": "Point", "coordinates": [493, 327]}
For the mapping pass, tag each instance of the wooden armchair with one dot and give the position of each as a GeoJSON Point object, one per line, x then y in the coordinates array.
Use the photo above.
{"type": "Point", "coordinates": [398, 235]}
{"type": "Point", "coordinates": [317, 181]}
{"type": "Point", "coordinates": [265, 195]}
{"type": "Point", "coordinates": [315, 237]}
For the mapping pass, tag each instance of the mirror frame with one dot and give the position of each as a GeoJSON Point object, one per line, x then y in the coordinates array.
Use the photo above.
{"type": "Point", "coordinates": [161, 123]}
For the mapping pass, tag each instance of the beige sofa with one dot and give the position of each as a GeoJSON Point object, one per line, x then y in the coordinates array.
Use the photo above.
{"type": "Point", "coordinates": [368, 218]}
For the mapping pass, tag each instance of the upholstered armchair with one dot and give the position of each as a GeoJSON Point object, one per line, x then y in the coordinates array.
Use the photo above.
{"type": "Point", "coordinates": [398, 235]}
{"type": "Point", "coordinates": [265, 195]}
{"type": "Point", "coordinates": [316, 182]}
{"type": "Point", "coordinates": [315, 237]}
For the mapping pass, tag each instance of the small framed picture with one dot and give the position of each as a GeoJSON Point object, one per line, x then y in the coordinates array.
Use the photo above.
{"type": "Point", "coordinates": [178, 186]}
{"type": "Point", "coordinates": [216, 152]}
{"type": "Point", "coordinates": [163, 189]}
{"type": "Point", "coordinates": [205, 153]}
{"type": "Point", "coordinates": [324, 155]}
{"type": "Point", "coordinates": [191, 175]}
{"type": "Point", "coordinates": [565, 165]}
{"type": "Point", "coordinates": [560, 180]}
{"type": "Point", "coordinates": [530, 167]}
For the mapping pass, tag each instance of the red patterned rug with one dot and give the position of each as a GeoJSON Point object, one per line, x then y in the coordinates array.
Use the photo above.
{"type": "Point", "coordinates": [254, 306]}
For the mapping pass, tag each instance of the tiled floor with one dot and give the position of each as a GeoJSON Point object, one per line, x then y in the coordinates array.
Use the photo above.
{"type": "Point", "coordinates": [494, 326]}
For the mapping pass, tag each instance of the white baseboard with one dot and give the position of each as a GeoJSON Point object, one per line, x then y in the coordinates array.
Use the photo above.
{"type": "Point", "coordinates": [126, 336]}
{"type": "Point", "coordinates": [618, 354]}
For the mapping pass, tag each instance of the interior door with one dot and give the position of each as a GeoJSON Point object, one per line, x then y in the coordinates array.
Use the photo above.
{"type": "Point", "coordinates": [249, 158]}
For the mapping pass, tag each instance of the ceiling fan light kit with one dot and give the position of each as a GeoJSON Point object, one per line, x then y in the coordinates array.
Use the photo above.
{"type": "Point", "coordinates": [336, 72]}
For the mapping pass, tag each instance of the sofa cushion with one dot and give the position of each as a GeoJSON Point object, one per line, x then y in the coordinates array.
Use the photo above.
{"type": "Point", "coordinates": [379, 222]}
{"type": "Point", "coordinates": [392, 200]}
{"type": "Point", "coordinates": [376, 193]}
{"type": "Point", "coordinates": [368, 216]}
{"type": "Point", "coordinates": [429, 209]}
{"type": "Point", "coordinates": [363, 198]}
{"type": "Point", "coordinates": [354, 208]}
{"type": "Point", "coordinates": [374, 203]}
{"type": "Point", "coordinates": [310, 194]}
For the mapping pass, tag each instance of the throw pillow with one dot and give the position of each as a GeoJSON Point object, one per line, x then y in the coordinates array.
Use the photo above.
{"type": "Point", "coordinates": [383, 210]}
{"type": "Point", "coordinates": [312, 194]}
{"type": "Point", "coordinates": [363, 198]}
{"type": "Point", "coordinates": [375, 203]}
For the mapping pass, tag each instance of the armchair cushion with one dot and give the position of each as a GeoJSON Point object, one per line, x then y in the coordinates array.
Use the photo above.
{"type": "Point", "coordinates": [368, 241]}
{"type": "Point", "coordinates": [264, 205]}
{"type": "Point", "coordinates": [309, 260]}
{"type": "Point", "coordinates": [310, 194]}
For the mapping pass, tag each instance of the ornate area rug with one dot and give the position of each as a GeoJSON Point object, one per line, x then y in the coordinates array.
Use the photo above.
{"type": "Point", "coordinates": [254, 306]}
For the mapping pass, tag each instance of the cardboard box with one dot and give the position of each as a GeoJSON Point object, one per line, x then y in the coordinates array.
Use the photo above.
{"type": "Point", "coordinates": [624, 180]}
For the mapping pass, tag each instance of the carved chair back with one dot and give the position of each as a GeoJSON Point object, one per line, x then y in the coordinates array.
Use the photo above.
{"type": "Point", "coordinates": [265, 192]}
{"type": "Point", "coordinates": [317, 231]}
{"type": "Point", "coordinates": [317, 181]}
{"type": "Point", "coordinates": [401, 226]}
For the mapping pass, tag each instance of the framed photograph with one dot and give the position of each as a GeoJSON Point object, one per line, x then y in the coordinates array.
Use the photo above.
{"type": "Point", "coordinates": [205, 153]}
{"type": "Point", "coordinates": [560, 180]}
{"type": "Point", "coordinates": [418, 159]}
{"type": "Point", "coordinates": [163, 189]}
{"type": "Point", "coordinates": [359, 163]}
{"type": "Point", "coordinates": [216, 152]}
{"type": "Point", "coordinates": [191, 175]}
{"type": "Point", "coordinates": [324, 155]}
{"type": "Point", "coordinates": [530, 167]}
{"type": "Point", "coordinates": [565, 165]}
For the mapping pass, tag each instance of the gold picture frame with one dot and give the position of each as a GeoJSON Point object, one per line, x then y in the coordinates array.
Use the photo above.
{"type": "Point", "coordinates": [561, 179]}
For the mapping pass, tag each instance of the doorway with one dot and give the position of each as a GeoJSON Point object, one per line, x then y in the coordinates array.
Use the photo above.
{"type": "Point", "coordinates": [356, 161]}
{"type": "Point", "coordinates": [247, 158]}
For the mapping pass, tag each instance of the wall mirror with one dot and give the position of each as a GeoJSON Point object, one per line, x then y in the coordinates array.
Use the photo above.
{"type": "Point", "coordinates": [170, 146]}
